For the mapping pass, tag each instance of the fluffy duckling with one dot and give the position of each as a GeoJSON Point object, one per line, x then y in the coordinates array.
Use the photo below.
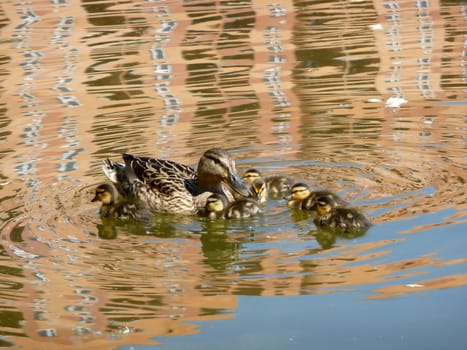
{"type": "Point", "coordinates": [214, 207]}
{"type": "Point", "coordinates": [111, 207]}
{"type": "Point", "coordinates": [301, 197]}
{"type": "Point", "coordinates": [259, 190]}
{"type": "Point", "coordinates": [217, 207]}
{"type": "Point", "coordinates": [242, 208]}
{"type": "Point", "coordinates": [341, 218]}
{"type": "Point", "coordinates": [275, 185]}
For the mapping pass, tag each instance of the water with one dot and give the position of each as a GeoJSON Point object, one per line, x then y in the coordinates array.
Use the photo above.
{"type": "Point", "coordinates": [364, 98]}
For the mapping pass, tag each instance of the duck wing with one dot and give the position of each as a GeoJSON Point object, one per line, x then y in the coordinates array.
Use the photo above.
{"type": "Point", "coordinates": [162, 176]}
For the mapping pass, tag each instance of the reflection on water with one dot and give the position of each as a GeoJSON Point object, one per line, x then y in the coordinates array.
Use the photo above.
{"type": "Point", "coordinates": [295, 88]}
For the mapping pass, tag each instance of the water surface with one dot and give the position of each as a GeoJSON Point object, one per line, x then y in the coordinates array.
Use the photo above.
{"type": "Point", "coordinates": [364, 98]}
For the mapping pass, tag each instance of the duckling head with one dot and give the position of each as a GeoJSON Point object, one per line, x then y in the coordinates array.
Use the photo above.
{"type": "Point", "coordinates": [104, 193]}
{"type": "Point", "coordinates": [217, 174]}
{"type": "Point", "coordinates": [215, 205]}
{"type": "Point", "coordinates": [299, 192]}
{"type": "Point", "coordinates": [251, 175]}
{"type": "Point", "coordinates": [259, 190]}
{"type": "Point", "coordinates": [323, 205]}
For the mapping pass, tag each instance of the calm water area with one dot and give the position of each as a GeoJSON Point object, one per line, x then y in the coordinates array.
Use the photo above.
{"type": "Point", "coordinates": [365, 98]}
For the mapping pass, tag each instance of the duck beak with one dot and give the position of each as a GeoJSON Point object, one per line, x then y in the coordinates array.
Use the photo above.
{"type": "Point", "coordinates": [95, 199]}
{"type": "Point", "coordinates": [288, 197]}
{"type": "Point", "coordinates": [238, 187]}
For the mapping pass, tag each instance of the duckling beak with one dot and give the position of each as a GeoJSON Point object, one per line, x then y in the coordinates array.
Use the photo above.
{"type": "Point", "coordinates": [288, 197]}
{"type": "Point", "coordinates": [238, 187]}
{"type": "Point", "coordinates": [95, 199]}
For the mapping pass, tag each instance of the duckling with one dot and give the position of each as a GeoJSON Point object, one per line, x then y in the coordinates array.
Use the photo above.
{"type": "Point", "coordinates": [259, 190]}
{"type": "Point", "coordinates": [111, 207]}
{"type": "Point", "coordinates": [242, 208]}
{"type": "Point", "coordinates": [217, 207]}
{"type": "Point", "coordinates": [276, 184]}
{"type": "Point", "coordinates": [214, 207]}
{"type": "Point", "coordinates": [301, 197]}
{"type": "Point", "coordinates": [171, 187]}
{"type": "Point", "coordinates": [341, 218]}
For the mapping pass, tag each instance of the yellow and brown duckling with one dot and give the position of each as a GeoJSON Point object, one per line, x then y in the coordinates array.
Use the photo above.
{"type": "Point", "coordinates": [276, 185]}
{"type": "Point", "coordinates": [217, 207]}
{"type": "Point", "coordinates": [115, 208]}
{"type": "Point", "coordinates": [259, 190]}
{"type": "Point", "coordinates": [343, 219]}
{"type": "Point", "coordinates": [301, 197]}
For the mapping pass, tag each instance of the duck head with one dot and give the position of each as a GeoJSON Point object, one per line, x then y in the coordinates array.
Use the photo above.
{"type": "Point", "coordinates": [217, 174]}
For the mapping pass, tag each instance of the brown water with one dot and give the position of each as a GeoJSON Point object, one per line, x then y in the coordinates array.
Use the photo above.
{"type": "Point", "coordinates": [364, 98]}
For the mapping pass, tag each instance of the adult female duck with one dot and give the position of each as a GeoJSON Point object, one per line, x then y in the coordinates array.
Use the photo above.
{"type": "Point", "coordinates": [171, 187]}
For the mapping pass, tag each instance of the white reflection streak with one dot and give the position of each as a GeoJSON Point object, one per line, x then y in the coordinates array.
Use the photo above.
{"type": "Point", "coordinates": [163, 71]}
{"type": "Point", "coordinates": [30, 65]}
{"type": "Point", "coordinates": [272, 75]}
{"type": "Point", "coordinates": [424, 75]}
{"type": "Point", "coordinates": [395, 45]}
{"type": "Point", "coordinates": [61, 31]}
{"type": "Point", "coordinates": [69, 131]}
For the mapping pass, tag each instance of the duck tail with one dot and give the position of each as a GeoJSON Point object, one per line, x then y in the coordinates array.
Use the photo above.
{"type": "Point", "coordinates": [110, 170]}
{"type": "Point", "coordinates": [129, 169]}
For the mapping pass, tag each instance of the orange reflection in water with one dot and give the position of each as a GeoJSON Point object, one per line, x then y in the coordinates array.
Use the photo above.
{"type": "Point", "coordinates": [279, 84]}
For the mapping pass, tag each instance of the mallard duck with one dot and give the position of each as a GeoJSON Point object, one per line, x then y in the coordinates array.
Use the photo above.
{"type": "Point", "coordinates": [301, 197]}
{"type": "Point", "coordinates": [218, 207]}
{"type": "Point", "coordinates": [276, 184]}
{"type": "Point", "coordinates": [171, 187]}
{"type": "Point", "coordinates": [115, 208]}
{"type": "Point", "coordinates": [341, 218]}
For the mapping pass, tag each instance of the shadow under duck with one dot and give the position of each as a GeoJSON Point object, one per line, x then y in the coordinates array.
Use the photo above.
{"type": "Point", "coordinates": [170, 187]}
